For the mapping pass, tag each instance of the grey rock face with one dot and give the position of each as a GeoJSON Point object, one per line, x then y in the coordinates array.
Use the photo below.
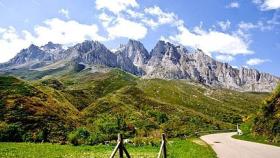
{"type": "Point", "coordinates": [53, 49]}
{"type": "Point", "coordinates": [30, 57]}
{"type": "Point", "coordinates": [93, 52]}
{"type": "Point", "coordinates": [135, 51]}
{"type": "Point", "coordinates": [165, 61]}
{"type": "Point", "coordinates": [32, 53]}
{"type": "Point", "coordinates": [171, 62]}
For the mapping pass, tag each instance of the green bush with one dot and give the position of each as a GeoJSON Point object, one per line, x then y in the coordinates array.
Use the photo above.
{"type": "Point", "coordinates": [96, 138]}
{"type": "Point", "coordinates": [79, 136]}
{"type": "Point", "coordinates": [10, 133]}
{"type": "Point", "coordinates": [160, 117]}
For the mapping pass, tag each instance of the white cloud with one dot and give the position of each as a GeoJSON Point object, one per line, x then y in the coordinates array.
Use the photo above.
{"type": "Point", "coordinates": [122, 20]}
{"type": "Point", "coordinates": [247, 25]}
{"type": "Point", "coordinates": [105, 19]}
{"type": "Point", "coordinates": [150, 23]}
{"type": "Point", "coordinates": [134, 14]}
{"type": "Point", "coordinates": [127, 28]}
{"type": "Point", "coordinates": [65, 32]}
{"type": "Point", "coordinates": [55, 30]}
{"type": "Point", "coordinates": [64, 12]}
{"type": "Point", "coordinates": [161, 17]}
{"type": "Point", "coordinates": [268, 4]}
{"type": "Point", "coordinates": [11, 42]}
{"type": "Point", "coordinates": [244, 27]}
{"type": "Point", "coordinates": [224, 25]}
{"type": "Point", "coordinates": [256, 61]}
{"type": "Point", "coordinates": [225, 58]}
{"type": "Point", "coordinates": [115, 6]}
{"type": "Point", "coordinates": [212, 41]}
{"type": "Point", "coordinates": [233, 5]}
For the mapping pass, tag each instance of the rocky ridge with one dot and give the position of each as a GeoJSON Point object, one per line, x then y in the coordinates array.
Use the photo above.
{"type": "Point", "coordinates": [165, 61]}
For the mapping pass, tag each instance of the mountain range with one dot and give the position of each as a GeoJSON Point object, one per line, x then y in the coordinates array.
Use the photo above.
{"type": "Point", "coordinates": [164, 61]}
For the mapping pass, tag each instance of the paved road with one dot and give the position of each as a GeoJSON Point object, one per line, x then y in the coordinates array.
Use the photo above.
{"type": "Point", "coordinates": [227, 147]}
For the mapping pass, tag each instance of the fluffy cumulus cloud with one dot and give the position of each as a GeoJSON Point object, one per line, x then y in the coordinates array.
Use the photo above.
{"type": "Point", "coordinates": [268, 4]}
{"type": "Point", "coordinates": [212, 41]}
{"type": "Point", "coordinates": [119, 20]}
{"type": "Point", "coordinates": [161, 17]}
{"type": "Point", "coordinates": [233, 5]}
{"type": "Point", "coordinates": [65, 32]}
{"type": "Point", "coordinates": [256, 61]}
{"type": "Point", "coordinates": [127, 28]}
{"type": "Point", "coordinates": [55, 30]}
{"type": "Point", "coordinates": [12, 41]}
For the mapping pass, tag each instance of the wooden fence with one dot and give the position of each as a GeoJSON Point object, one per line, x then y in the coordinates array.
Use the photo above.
{"type": "Point", "coordinates": [120, 148]}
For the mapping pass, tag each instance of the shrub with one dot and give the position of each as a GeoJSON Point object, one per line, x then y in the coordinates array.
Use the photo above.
{"type": "Point", "coordinates": [78, 136]}
{"type": "Point", "coordinates": [96, 138]}
{"type": "Point", "coordinates": [160, 117]}
{"type": "Point", "coordinates": [10, 132]}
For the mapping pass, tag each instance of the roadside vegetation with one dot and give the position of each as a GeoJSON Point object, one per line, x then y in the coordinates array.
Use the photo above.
{"type": "Point", "coordinates": [264, 127]}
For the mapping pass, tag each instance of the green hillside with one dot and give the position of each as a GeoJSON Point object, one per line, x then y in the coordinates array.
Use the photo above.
{"type": "Point", "coordinates": [28, 113]}
{"type": "Point", "coordinates": [100, 105]}
{"type": "Point", "coordinates": [267, 122]}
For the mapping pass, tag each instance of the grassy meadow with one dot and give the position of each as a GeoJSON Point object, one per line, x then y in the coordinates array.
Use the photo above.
{"type": "Point", "coordinates": [191, 148]}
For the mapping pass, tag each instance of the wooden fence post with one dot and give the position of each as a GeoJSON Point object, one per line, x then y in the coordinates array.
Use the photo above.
{"type": "Point", "coordinates": [120, 140]}
{"type": "Point", "coordinates": [163, 150]}
{"type": "Point", "coordinates": [164, 146]}
{"type": "Point", "coordinates": [121, 148]}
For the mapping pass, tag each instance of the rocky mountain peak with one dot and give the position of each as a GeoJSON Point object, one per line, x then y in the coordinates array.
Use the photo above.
{"type": "Point", "coordinates": [30, 55]}
{"type": "Point", "coordinates": [51, 45]}
{"type": "Point", "coordinates": [88, 46]}
{"type": "Point", "coordinates": [32, 48]}
{"type": "Point", "coordinates": [135, 51]}
{"type": "Point", "coordinates": [164, 52]}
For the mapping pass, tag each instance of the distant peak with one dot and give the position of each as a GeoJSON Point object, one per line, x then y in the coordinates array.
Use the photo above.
{"type": "Point", "coordinates": [50, 43]}
{"type": "Point", "coordinates": [91, 42]}
{"type": "Point", "coordinates": [89, 45]}
{"type": "Point", "coordinates": [161, 42]}
{"type": "Point", "coordinates": [33, 46]}
{"type": "Point", "coordinates": [133, 41]}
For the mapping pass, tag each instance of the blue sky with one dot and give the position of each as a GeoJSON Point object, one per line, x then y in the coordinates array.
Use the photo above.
{"type": "Point", "coordinates": [240, 32]}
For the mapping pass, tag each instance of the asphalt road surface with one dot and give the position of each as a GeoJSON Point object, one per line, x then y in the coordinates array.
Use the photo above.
{"type": "Point", "coordinates": [227, 147]}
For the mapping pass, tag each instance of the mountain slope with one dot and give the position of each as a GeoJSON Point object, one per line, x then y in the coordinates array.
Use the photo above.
{"type": "Point", "coordinates": [115, 101]}
{"type": "Point", "coordinates": [33, 113]}
{"type": "Point", "coordinates": [165, 61]}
